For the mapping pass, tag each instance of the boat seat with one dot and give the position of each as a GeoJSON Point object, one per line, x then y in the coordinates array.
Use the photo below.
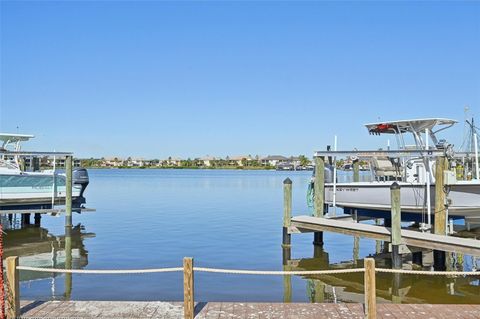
{"type": "Point", "coordinates": [384, 168]}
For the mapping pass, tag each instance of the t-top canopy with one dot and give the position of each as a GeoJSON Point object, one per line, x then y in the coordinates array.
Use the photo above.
{"type": "Point", "coordinates": [13, 138]}
{"type": "Point", "coordinates": [404, 126]}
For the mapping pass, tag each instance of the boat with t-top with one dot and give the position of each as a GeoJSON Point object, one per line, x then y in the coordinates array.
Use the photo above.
{"type": "Point", "coordinates": [20, 188]}
{"type": "Point", "coordinates": [412, 167]}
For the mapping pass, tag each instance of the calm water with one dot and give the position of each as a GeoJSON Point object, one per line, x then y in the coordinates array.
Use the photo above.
{"type": "Point", "coordinates": [224, 219]}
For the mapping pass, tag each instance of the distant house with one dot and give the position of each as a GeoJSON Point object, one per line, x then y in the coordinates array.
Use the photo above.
{"type": "Point", "coordinates": [273, 160]}
{"type": "Point", "coordinates": [112, 162]}
{"type": "Point", "coordinates": [173, 161]}
{"type": "Point", "coordinates": [135, 162]}
{"type": "Point", "coordinates": [206, 161]}
{"type": "Point", "coordinates": [239, 160]}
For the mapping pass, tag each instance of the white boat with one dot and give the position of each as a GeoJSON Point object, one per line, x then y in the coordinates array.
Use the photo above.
{"type": "Point", "coordinates": [416, 176]}
{"type": "Point", "coordinates": [32, 189]}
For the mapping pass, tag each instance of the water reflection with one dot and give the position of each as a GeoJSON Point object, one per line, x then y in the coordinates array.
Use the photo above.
{"type": "Point", "coordinates": [396, 288]}
{"type": "Point", "coordinates": [37, 247]}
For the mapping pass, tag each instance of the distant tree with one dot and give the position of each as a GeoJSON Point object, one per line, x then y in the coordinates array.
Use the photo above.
{"type": "Point", "coordinates": [304, 161]}
{"type": "Point", "coordinates": [244, 161]}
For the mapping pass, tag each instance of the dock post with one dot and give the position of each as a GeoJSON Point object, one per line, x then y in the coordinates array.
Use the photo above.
{"type": "Point", "coordinates": [68, 191]}
{"type": "Point", "coordinates": [356, 171]}
{"type": "Point", "coordinates": [439, 260]}
{"type": "Point", "coordinates": [417, 258]}
{"type": "Point", "coordinates": [37, 219]}
{"type": "Point", "coordinates": [25, 218]}
{"type": "Point", "coordinates": [13, 288]}
{"type": "Point", "coordinates": [396, 297]}
{"type": "Point", "coordinates": [188, 289]}
{"type": "Point", "coordinates": [319, 199]}
{"type": "Point", "coordinates": [287, 286]}
{"type": "Point", "coordinates": [68, 262]}
{"type": "Point", "coordinates": [440, 224]}
{"type": "Point", "coordinates": [356, 249]}
{"type": "Point", "coordinates": [396, 229]}
{"type": "Point", "coordinates": [370, 289]}
{"type": "Point", "coordinates": [287, 211]}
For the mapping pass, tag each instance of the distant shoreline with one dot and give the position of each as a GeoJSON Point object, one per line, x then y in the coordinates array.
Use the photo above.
{"type": "Point", "coordinates": [180, 168]}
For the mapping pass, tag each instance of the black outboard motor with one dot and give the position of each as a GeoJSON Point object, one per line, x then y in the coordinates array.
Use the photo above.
{"type": "Point", "coordinates": [80, 177]}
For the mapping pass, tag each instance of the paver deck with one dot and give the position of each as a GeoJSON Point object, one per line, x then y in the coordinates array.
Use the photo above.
{"type": "Point", "coordinates": [238, 310]}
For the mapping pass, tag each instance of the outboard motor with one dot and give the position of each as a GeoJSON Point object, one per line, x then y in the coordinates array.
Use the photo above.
{"type": "Point", "coordinates": [328, 173]}
{"type": "Point", "coordinates": [80, 177]}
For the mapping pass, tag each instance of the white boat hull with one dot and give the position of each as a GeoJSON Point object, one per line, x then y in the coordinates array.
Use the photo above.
{"type": "Point", "coordinates": [34, 189]}
{"type": "Point", "coordinates": [464, 197]}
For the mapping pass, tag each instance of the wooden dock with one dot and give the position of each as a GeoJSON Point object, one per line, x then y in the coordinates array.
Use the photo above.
{"type": "Point", "coordinates": [238, 310]}
{"type": "Point", "coordinates": [300, 224]}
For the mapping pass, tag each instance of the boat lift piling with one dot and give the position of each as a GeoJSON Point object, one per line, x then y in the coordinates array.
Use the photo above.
{"type": "Point", "coordinates": [68, 195]}
{"type": "Point", "coordinates": [287, 216]}
{"type": "Point", "coordinates": [319, 197]}
{"type": "Point", "coordinates": [396, 230]}
{"type": "Point", "coordinates": [440, 223]}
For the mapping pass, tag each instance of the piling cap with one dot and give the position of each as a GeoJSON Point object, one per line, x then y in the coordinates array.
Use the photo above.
{"type": "Point", "coordinates": [287, 181]}
{"type": "Point", "coordinates": [395, 185]}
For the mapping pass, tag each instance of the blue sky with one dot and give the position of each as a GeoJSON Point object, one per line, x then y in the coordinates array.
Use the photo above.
{"type": "Point", "coordinates": [159, 79]}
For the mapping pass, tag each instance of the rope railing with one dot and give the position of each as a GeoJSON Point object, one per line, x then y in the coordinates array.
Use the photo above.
{"type": "Point", "coordinates": [369, 270]}
{"type": "Point", "coordinates": [245, 271]}
{"type": "Point", "coordinates": [200, 269]}
{"type": "Point", "coordinates": [278, 272]}
{"type": "Point", "coordinates": [101, 271]}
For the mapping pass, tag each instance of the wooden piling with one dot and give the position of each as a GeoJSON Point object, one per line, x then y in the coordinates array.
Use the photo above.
{"type": "Point", "coordinates": [13, 288]}
{"type": "Point", "coordinates": [439, 260]}
{"type": "Point", "coordinates": [319, 186]}
{"type": "Point", "coordinates": [68, 262]}
{"type": "Point", "coordinates": [25, 219]}
{"type": "Point", "coordinates": [287, 286]}
{"type": "Point", "coordinates": [370, 289]}
{"type": "Point", "coordinates": [396, 228]}
{"type": "Point", "coordinates": [287, 210]}
{"type": "Point", "coordinates": [356, 171]}
{"type": "Point", "coordinates": [319, 198]}
{"type": "Point", "coordinates": [37, 219]}
{"type": "Point", "coordinates": [68, 191]}
{"type": "Point", "coordinates": [396, 283]}
{"type": "Point", "coordinates": [440, 224]}
{"type": "Point", "coordinates": [417, 258]}
{"type": "Point", "coordinates": [188, 288]}
{"type": "Point", "coordinates": [440, 211]}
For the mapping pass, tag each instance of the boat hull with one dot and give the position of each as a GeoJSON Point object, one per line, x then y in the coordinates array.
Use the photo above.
{"type": "Point", "coordinates": [464, 197]}
{"type": "Point", "coordinates": [34, 189]}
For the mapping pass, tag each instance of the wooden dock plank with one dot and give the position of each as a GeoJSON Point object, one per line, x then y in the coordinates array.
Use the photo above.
{"type": "Point", "coordinates": [216, 310]}
{"type": "Point", "coordinates": [409, 237]}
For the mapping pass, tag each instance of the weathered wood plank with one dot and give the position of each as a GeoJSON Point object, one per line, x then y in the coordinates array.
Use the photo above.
{"type": "Point", "coordinates": [188, 289]}
{"type": "Point", "coordinates": [216, 310]}
{"type": "Point", "coordinates": [13, 288]}
{"type": "Point", "coordinates": [409, 237]}
{"type": "Point", "coordinates": [440, 226]}
{"type": "Point", "coordinates": [370, 289]}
